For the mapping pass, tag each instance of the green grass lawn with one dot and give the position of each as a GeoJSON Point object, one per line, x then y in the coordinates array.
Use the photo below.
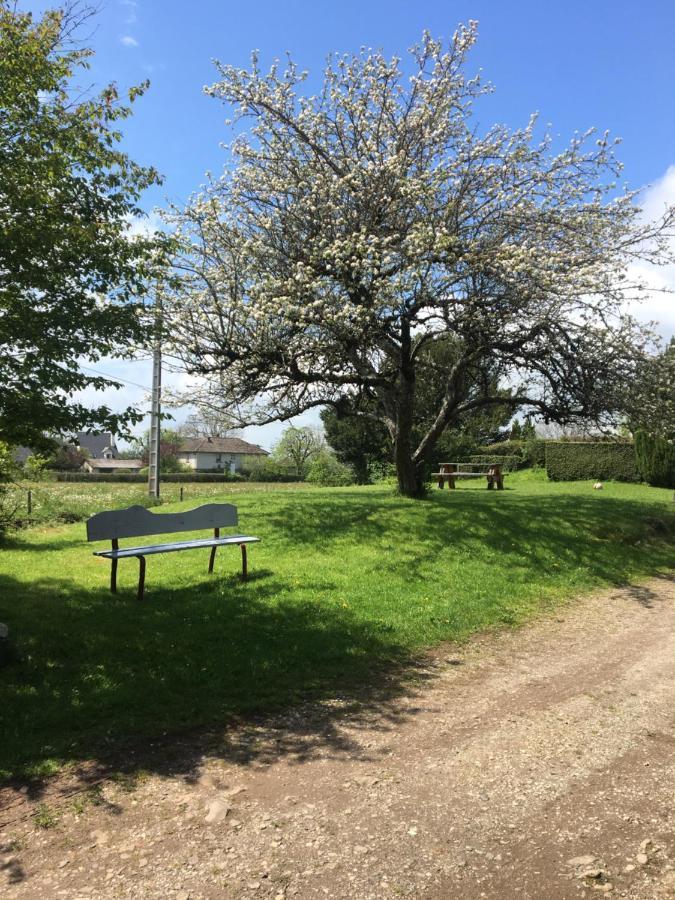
{"type": "Point", "coordinates": [347, 584]}
{"type": "Point", "coordinates": [56, 502]}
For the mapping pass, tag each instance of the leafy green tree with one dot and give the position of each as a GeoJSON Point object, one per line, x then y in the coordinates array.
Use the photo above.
{"type": "Point", "coordinates": [68, 458]}
{"type": "Point", "coordinates": [528, 432]}
{"type": "Point", "coordinates": [326, 470]}
{"type": "Point", "coordinates": [34, 467]}
{"type": "Point", "coordinates": [361, 442]}
{"type": "Point", "coordinates": [297, 447]}
{"type": "Point", "coordinates": [72, 274]}
{"type": "Point", "coordinates": [169, 444]}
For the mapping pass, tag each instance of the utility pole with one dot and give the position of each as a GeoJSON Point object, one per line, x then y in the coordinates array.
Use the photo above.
{"type": "Point", "coordinates": [156, 403]}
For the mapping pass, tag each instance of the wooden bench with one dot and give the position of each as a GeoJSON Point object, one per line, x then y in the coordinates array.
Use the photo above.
{"type": "Point", "coordinates": [137, 521]}
{"type": "Point", "coordinates": [450, 472]}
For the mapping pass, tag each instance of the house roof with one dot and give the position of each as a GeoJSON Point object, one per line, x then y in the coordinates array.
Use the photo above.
{"type": "Point", "coordinates": [220, 445]}
{"type": "Point", "coordinates": [115, 463]}
{"type": "Point", "coordinates": [96, 443]}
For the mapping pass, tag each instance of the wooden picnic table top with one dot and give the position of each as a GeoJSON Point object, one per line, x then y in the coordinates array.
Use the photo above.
{"type": "Point", "coordinates": [468, 464]}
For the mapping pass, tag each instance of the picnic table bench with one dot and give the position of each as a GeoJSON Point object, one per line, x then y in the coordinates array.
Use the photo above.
{"type": "Point", "coordinates": [452, 471]}
{"type": "Point", "coordinates": [137, 521]}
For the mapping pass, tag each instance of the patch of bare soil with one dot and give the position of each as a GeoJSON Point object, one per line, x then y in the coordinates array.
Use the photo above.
{"type": "Point", "coordinates": [535, 764]}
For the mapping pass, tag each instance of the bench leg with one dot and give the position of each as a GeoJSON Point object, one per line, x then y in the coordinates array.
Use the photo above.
{"type": "Point", "coordinates": [212, 559]}
{"type": "Point", "coordinates": [113, 576]}
{"type": "Point", "coordinates": [244, 563]}
{"type": "Point", "coordinates": [141, 577]}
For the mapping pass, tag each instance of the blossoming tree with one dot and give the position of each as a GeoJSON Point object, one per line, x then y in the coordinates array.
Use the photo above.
{"type": "Point", "coordinates": [357, 227]}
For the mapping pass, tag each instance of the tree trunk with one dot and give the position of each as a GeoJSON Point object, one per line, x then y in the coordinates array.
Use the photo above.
{"type": "Point", "coordinates": [410, 483]}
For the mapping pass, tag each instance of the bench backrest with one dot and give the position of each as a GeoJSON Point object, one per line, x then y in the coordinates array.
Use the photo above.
{"type": "Point", "coordinates": [137, 521]}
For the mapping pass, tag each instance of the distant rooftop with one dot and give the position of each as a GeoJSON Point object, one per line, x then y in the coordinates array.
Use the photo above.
{"type": "Point", "coordinates": [220, 445]}
{"type": "Point", "coordinates": [96, 443]}
{"type": "Point", "coordinates": [115, 463]}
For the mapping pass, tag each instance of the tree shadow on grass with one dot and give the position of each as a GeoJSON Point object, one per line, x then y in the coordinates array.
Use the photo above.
{"type": "Point", "coordinates": [116, 685]}
{"type": "Point", "coordinates": [605, 536]}
{"type": "Point", "coordinates": [119, 684]}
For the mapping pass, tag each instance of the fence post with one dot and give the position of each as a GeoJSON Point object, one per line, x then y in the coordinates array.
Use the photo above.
{"type": "Point", "coordinates": [30, 501]}
{"type": "Point", "coordinates": [181, 492]}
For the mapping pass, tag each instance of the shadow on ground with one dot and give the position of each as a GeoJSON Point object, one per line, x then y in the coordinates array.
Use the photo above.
{"type": "Point", "coordinates": [97, 678]}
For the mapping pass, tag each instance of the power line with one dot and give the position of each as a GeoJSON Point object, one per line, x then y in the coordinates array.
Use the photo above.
{"type": "Point", "coordinates": [116, 378]}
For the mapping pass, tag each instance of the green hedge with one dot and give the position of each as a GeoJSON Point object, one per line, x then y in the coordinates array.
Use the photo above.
{"type": "Point", "coordinates": [655, 459]}
{"type": "Point", "coordinates": [530, 452]}
{"type": "Point", "coordinates": [508, 463]}
{"type": "Point", "coordinates": [598, 461]}
{"type": "Point", "coordinates": [96, 477]}
{"type": "Point", "coordinates": [171, 477]}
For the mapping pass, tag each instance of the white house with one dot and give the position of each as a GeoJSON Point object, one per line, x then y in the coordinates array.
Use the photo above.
{"type": "Point", "coordinates": [229, 454]}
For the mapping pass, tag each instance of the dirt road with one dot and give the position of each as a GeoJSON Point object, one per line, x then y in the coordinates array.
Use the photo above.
{"type": "Point", "coordinates": [532, 764]}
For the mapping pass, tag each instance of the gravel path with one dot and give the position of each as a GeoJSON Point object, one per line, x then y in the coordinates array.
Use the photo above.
{"type": "Point", "coordinates": [538, 763]}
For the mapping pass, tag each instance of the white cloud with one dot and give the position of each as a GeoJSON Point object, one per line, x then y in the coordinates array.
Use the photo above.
{"type": "Point", "coordinates": [146, 225]}
{"type": "Point", "coordinates": [128, 41]}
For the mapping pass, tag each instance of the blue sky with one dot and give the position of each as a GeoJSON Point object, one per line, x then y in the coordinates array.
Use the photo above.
{"type": "Point", "coordinates": [579, 64]}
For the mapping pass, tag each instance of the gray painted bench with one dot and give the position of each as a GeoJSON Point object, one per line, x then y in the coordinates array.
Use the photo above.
{"type": "Point", "coordinates": [137, 521]}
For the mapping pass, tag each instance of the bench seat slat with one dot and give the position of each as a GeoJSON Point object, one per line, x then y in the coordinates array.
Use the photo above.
{"type": "Point", "coordinates": [178, 545]}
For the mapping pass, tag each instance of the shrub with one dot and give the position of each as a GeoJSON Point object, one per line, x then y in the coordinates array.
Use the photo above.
{"type": "Point", "coordinates": [534, 451]}
{"type": "Point", "coordinates": [269, 469]}
{"type": "Point", "coordinates": [34, 467]}
{"type": "Point", "coordinates": [585, 460]}
{"type": "Point", "coordinates": [655, 459]}
{"type": "Point", "coordinates": [326, 470]}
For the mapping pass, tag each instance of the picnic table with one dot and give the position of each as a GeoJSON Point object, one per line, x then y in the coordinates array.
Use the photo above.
{"type": "Point", "coordinates": [451, 471]}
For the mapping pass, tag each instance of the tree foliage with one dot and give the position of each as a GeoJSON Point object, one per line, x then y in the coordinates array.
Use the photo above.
{"type": "Point", "coordinates": [170, 442]}
{"type": "Point", "coordinates": [71, 272]}
{"type": "Point", "coordinates": [297, 447]}
{"type": "Point", "coordinates": [357, 228]}
{"type": "Point", "coordinates": [650, 399]}
{"type": "Point", "coordinates": [360, 442]}
{"type": "Point", "coordinates": [655, 459]}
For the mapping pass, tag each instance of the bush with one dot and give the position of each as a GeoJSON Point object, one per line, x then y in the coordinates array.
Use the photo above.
{"type": "Point", "coordinates": [585, 460]}
{"type": "Point", "coordinates": [269, 469]}
{"type": "Point", "coordinates": [655, 459]}
{"type": "Point", "coordinates": [326, 470]}
{"type": "Point", "coordinates": [534, 451]}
